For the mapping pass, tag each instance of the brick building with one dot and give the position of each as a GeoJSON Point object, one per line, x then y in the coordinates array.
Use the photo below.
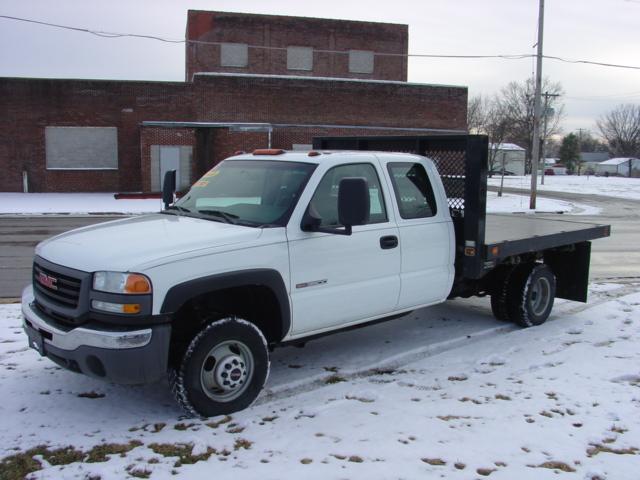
{"type": "Point", "coordinates": [252, 81]}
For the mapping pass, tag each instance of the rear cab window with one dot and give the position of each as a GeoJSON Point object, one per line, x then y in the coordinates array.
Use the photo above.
{"type": "Point", "coordinates": [413, 190]}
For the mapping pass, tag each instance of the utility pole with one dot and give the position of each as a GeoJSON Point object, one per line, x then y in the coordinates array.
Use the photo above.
{"type": "Point", "coordinates": [580, 130]}
{"type": "Point", "coordinates": [547, 112]}
{"type": "Point", "coordinates": [536, 111]}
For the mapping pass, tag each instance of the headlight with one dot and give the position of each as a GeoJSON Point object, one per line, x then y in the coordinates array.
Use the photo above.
{"type": "Point", "coordinates": [116, 282]}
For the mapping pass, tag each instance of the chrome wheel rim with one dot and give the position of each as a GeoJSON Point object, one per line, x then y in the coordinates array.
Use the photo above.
{"type": "Point", "coordinates": [226, 371]}
{"type": "Point", "coordinates": [540, 296]}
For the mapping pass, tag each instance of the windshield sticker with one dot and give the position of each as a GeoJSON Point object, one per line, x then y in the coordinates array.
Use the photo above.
{"type": "Point", "coordinates": [200, 184]}
{"type": "Point", "coordinates": [211, 173]}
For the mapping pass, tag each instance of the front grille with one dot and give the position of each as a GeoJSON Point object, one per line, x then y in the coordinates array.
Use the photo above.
{"type": "Point", "coordinates": [55, 287]}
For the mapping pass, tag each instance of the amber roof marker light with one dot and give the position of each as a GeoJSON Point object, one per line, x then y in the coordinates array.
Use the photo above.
{"type": "Point", "coordinates": [268, 151]}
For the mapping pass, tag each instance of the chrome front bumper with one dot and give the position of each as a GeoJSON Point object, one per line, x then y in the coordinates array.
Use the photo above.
{"type": "Point", "coordinates": [80, 336]}
{"type": "Point", "coordinates": [122, 356]}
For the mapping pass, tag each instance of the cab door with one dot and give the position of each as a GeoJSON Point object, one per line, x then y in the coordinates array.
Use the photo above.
{"type": "Point", "coordinates": [427, 234]}
{"type": "Point", "coordinates": [344, 279]}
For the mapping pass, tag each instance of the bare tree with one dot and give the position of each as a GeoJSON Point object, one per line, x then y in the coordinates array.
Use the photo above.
{"type": "Point", "coordinates": [486, 116]}
{"type": "Point", "coordinates": [477, 113]}
{"type": "Point", "coordinates": [621, 130]}
{"type": "Point", "coordinates": [517, 101]}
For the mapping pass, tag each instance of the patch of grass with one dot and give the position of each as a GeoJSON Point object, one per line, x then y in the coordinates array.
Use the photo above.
{"type": "Point", "coordinates": [91, 395]}
{"type": "Point", "coordinates": [485, 472]}
{"type": "Point", "coordinates": [339, 457]}
{"type": "Point", "coordinates": [544, 413]}
{"type": "Point", "coordinates": [270, 419]}
{"type": "Point", "coordinates": [184, 452]}
{"type": "Point", "coordinates": [333, 379]}
{"type": "Point", "coordinates": [599, 448]}
{"type": "Point", "coordinates": [235, 429]}
{"type": "Point", "coordinates": [360, 399]}
{"type": "Point", "coordinates": [459, 466]}
{"type": "Point", "coordinates": [242, 443]}
{"type": "Point", "coordinates": [355, 459]}
{"type": "Point", "coordinates": [468, 399]}
{"type": "Point", "coordinates": [554, 465]}
{"type": "Point", "coordinates": [500, 396]}
{"type": "Point", "coordinates": [139, 472]}
{"type": "Point", "coordinates": [331, 369]}
{"type": "Point", "coordinates": [99, 452]}
{"type": "Point", "coordinates": [384, 371]}
{"type": "Point", "coordinates": [158, 426]}
{"type": "Point", "coordinates": [457, 378]}
{"type": "Point", "coordinates": [619, 430]}
{"type": "Point", "coordinates": [447, 418]}
{"type": "Point", "coordinates": [63, 456]}
{"type": "Point", "coordinates": [183, 426]}
{"type": "Point", "coordinates": [434, 461]}
{"type": "Point", "coordinates": [17, 466]}
{"type": "Point", "coordinates": [306, 461]}
{"type": "Point", "coordinates": [216, 424]}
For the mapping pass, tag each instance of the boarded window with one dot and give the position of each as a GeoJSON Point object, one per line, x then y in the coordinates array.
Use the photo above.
{"type": "Point", "coordinates": [81, 148]}
{"type": "Point", "coordinates": [300, 58]}
{"type": "Point", "coordinates": [234, 55]}
{"type": "Point", "coordinates": [360, 61]}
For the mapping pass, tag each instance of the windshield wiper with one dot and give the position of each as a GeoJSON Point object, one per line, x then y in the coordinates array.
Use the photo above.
{"type": "Point", "coordinates": [177, 207]}
{"type": "Point", "coordinates": [228, 217]}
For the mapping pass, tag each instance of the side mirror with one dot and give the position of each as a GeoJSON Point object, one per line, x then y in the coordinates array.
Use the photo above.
{"type": "Point", "coordinates": [353, 202]}
{"type": "Point", "coordinates": [353, 208]}
{"type": "Point", "coordinates": [168, 187]}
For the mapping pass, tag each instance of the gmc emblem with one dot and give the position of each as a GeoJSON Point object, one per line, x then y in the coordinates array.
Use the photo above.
{"type": "Point", "coordinates": [47, 281]}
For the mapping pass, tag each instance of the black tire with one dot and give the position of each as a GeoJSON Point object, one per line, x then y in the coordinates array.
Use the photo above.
{"type": "Point", "coordinates": [242, 364]}
{"type": "Point", "coordinates": [530, 294]}
{"type": "Point", "coordinates": [499, 305]}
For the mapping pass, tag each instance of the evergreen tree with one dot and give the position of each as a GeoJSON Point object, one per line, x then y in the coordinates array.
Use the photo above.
{"type": "Point", "coordinates": [570, 153]}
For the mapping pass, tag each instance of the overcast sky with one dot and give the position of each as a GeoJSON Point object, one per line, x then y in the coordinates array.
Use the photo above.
{"type": "Point", "coordinates": [601, 30]}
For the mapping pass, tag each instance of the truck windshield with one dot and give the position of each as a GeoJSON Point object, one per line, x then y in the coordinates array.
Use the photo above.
{"type": "Point", "coordinates": [247, 192]}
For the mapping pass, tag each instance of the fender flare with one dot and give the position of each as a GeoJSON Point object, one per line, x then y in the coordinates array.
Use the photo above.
{"type": "Point", "coordinates": [179, 294]}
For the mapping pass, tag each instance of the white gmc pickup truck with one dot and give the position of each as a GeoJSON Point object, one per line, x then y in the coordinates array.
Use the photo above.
{"type": "Point", "coordinates": [272, 248]}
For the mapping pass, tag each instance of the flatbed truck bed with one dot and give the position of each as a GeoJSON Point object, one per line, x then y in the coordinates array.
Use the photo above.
{"type": "Point", "coordinates": [513, 234]}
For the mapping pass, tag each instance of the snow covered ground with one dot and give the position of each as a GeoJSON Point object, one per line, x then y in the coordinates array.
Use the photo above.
{"type": "Point", "coordinates": [510, 203]}
{"type": "Point", "coordinates": [446, 392]}
{"type": "Point", "coordinates": [105, 203]}
{"type": "Point", "coordinates": [73, 203]}
{"type": "Point", "coordinates": [628, 188]}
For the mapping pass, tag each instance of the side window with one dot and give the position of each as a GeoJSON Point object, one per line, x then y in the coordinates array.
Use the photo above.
{"type": "Point", "coordinates": [324, 203]}
{"type": "Point", "coordinates": [413, 190]}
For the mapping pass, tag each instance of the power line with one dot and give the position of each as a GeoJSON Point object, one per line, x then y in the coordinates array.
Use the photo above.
{"type": "Point", "coordinates": [522, 56]}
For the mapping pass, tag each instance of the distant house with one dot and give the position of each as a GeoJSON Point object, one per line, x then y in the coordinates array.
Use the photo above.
{"type": "Point", "coordinates": [624, 167]}
{"type": "Point", "coordinates": [513, 156]}
{"type": "Point", "coordinates": [590, 160]}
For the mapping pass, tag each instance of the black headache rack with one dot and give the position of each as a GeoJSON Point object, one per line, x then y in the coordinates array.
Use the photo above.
{"type": "Point", "coordinates": [483, 242]}
{"type": "Point", "coordinates": [462, 163]}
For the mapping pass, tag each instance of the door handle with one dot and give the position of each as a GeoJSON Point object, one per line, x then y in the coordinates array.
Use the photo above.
{"type": "Point", "coordinates": [389, 241]}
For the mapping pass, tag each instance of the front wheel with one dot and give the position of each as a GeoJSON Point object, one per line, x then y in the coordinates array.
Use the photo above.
{"type": "Point", "coordinates": [530, 295]}
{"type": "Point", "coordinates": [223, 370]}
